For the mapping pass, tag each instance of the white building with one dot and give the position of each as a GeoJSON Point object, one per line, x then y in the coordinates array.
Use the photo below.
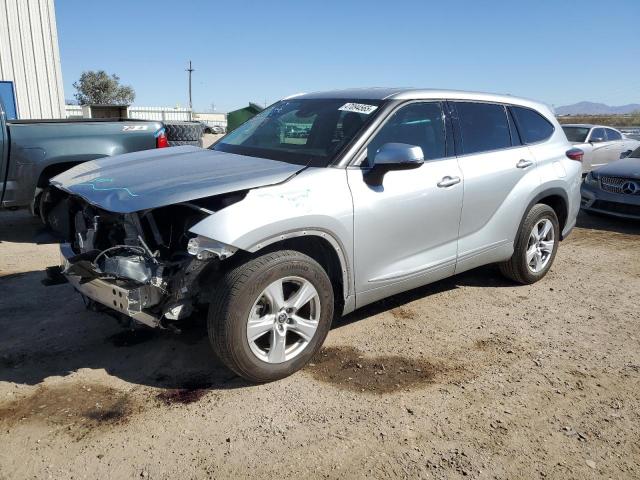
{"type": "Point", "coordinates": [30, 73]}
{"type": "Point", "coordinates": [217, 119]}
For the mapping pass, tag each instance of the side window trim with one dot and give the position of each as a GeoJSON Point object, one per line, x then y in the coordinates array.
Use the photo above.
{"type": "Point", "coordinates": [359, 158]}
{"type": "Point", "coordinates": [514, 129]}
{"type": "Point", "coordinates": [452, 113]}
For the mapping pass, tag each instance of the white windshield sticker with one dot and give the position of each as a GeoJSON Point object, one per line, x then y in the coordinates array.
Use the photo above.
{"type": "Point", "coordinates": [358, 108]}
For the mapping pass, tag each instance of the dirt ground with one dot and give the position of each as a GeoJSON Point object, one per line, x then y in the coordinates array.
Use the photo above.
{"type": "Point", "coordinates": [470, 377]}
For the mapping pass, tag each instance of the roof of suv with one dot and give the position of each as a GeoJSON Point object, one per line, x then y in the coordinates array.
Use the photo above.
{"type": "Point", "coordinates": [384, 93]}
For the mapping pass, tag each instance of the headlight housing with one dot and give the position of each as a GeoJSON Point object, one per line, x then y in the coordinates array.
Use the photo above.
{"type": "Point", "coordinates": [592, 180]}
{"type": "Point", "coordinates": [203, 248]}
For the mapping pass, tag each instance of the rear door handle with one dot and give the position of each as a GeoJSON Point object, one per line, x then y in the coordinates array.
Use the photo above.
{"type": "Point", "coordinates": [524, 163]}
{"type": "Point", "coordinates": [448, 182]}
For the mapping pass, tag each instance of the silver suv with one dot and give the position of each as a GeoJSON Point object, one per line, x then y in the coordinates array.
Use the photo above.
{"type": "Point", "coordinates": [320, 204]}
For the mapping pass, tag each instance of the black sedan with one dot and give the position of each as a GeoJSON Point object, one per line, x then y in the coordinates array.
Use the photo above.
{"type": "Point", "coordinates": [614, 189]}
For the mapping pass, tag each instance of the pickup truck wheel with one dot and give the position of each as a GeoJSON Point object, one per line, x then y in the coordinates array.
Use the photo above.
{"type": "Point", "coordinates": [535, 247]}
{"type": "Point", "coordinates": [269, 316]}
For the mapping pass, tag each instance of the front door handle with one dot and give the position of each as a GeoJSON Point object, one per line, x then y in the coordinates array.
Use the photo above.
{"type": "Point", "coordinates": [448, 182]}
{"type": "Point", "coordinates": [524, 163]}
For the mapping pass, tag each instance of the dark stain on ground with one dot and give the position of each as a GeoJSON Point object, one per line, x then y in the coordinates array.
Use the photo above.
{"type": "Point", "coordinates": [77, 408]}
{"type": "Point", "coordinates": [181, 395]}
{"type": "Point", "coordinates": [190, 391]}
{"type": "Point", "coordinates": [350, 369]}
{"type": "Point", "coordinates": [128, 338]}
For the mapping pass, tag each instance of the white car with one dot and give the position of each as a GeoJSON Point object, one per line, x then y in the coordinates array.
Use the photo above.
{"type": "Point", "coordinates": [601, 145]}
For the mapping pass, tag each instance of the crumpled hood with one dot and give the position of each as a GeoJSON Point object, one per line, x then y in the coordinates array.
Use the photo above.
{"type": "Point", "coordinates": [627, 168]}
{"type": "Point", "coordinates": [155, 178]}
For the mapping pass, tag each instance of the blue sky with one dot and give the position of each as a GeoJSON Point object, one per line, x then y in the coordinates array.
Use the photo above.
{"type": "Point", "coordinates": [559, 52]}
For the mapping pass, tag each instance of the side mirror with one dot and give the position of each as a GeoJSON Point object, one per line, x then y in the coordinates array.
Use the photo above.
{"type": "Point", "coordinates": [596, 140]}
{"type": "Point", "coordinates": [394, 156]}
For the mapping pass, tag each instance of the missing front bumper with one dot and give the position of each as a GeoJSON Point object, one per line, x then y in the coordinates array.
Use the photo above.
{"type": "Point", "coordinates": [123, 300]}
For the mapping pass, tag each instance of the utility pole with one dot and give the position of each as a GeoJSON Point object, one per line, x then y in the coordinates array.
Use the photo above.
{"type": "Point", "coordinates": [190, 70]}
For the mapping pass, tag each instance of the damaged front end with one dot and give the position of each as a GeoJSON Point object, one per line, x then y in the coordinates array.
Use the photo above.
{"type": "Point", "coordinates": [145, 265]}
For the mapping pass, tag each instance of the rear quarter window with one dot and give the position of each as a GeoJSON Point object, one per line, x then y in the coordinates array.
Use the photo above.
{"type": "Point", "coordinates": [533, 127]}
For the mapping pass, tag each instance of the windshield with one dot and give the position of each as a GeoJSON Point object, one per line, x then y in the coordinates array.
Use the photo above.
{"type": "Point", "coordinates": [305, 132]}
{"type": "Point", "coordinates": [576, 134]}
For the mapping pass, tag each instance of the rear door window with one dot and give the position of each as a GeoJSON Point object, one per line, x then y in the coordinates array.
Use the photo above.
{"type": "Point", "coordinates": [532, 126]}
{"type": "Point", "coordinates": [483, 127]}
{"type": "Point", "coordinates": [612, 135]}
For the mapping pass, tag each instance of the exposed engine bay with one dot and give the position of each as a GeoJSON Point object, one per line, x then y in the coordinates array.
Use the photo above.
{"type": "Point", "coordinates": [145, 265]}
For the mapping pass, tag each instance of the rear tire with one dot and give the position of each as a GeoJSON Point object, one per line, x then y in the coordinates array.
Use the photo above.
{"type": "Point", "coordinates": [533, 256]}
{"type": "Point", "coordinates": [46, 201]}
{"type": "Point", "coordinates": [241, 309]}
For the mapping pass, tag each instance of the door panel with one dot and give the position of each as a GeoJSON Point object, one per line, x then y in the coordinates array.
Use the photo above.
{"type": "Point", "coordinates": [615, 145]}
{"type": "Point", "coordinates": [406, 229]}
{"type": "Point", "coordinates": [490, 194]}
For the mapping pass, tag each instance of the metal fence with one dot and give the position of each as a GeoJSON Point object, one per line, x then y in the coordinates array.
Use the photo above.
{"type": "Point", "coordinates": [134, 111]}
{"type": "Point", "coordinates": [73, 111]}
{"type": "Point", "coordinates": [160, 113]}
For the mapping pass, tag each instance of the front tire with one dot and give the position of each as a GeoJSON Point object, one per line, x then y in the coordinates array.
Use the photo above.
{"type": "Point", "coordinates": [535, 247]}
{"type": "Point", "coordinates": [270, 315]}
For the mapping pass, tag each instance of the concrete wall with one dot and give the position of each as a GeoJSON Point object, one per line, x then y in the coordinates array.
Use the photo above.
{"type": "Point", "coordinates": [30, 58]}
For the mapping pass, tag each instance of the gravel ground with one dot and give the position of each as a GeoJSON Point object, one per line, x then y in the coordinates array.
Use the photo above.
{"type": "Point", "coordinates": [470, 377]}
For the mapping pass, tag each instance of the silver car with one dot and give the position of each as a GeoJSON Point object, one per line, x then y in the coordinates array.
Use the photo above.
{"type": "Point", "coordinates": [601, 145]}
{"type": "Point", "coordinates": [276, 234]}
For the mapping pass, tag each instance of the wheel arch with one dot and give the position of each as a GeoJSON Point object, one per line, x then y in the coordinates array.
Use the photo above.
{"type": "Point", "coordinates": [557, 199]}
{"type": "Point", "coordinates": [54, 169]}
{"type": "Point", "coordinates": [319, 245]}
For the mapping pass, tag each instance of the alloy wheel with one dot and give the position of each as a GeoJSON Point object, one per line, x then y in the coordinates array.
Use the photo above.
{"type": "Point", "coordinates": [283, 320]}
{"type": "Point", "coordinates": [540, 245]}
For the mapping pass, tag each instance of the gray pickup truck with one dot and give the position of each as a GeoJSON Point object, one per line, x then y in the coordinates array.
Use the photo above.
{"type": "Point", "coordinates": [33, 151]}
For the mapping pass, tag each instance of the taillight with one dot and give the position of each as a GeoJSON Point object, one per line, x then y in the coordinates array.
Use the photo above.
{"type": "Point", "coordinates": [575, 154]}
{"type": "Point", "coordinates": [161, 139]}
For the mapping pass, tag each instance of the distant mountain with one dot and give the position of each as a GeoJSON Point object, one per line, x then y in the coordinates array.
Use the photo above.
{"type": "Point", "coordinates": [590, 108]}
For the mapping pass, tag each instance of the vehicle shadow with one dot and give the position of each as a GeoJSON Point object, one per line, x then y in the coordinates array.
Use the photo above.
{"type": "Point", "coordinates": [20, 226]}
{"type": "Point", "coordinates": [48, 332]}
{"type": "Point", "coordinates": [593, 221]}
{"type": "Point", "coordinates": [485, 276]}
